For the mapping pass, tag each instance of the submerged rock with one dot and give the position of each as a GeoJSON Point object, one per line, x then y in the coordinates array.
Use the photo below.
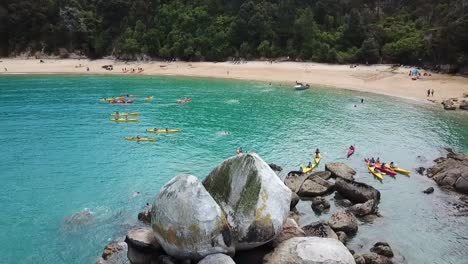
{"type": "Point", "coordinates": [356, 192]}
{"type": "Point", "coordinates": [320, 204]}
{"type": "Point", "coordinates": [254, 198]}
{"type": "Point", "coordinates": [310, 250]}
{"type": "Point", "coordinates": [451, 172]}
{"type": "Point", "coordinates": [187, 221]}
{"type": "Point", "coordinates": [290, 230]}
{"type": "Point", "coordinates": [429, 190]}
{"type": "Point", "coordinates": [344, 221]}
{"type": "Point", "coordinates": [382, 248]}
{"type": "Point", "coordinates": [363, 209]}
{"type": "Point", "coordinates": [217, 259]}
{"type": "Point", "coordinates": [319, 229]}
{"type": "Point", "coordinates": [420, 170]}
{"type": "Point", "coordinates": [339, 169]}
{"type": "Point", "coordinates": [84, 217]}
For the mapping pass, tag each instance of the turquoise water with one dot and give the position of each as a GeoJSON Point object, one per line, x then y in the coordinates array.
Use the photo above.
{"type": "Point", "coordinates": [61, 154]}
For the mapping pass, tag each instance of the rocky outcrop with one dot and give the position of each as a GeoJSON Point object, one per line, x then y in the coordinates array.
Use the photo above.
{"type": "Point", "coordinates": [363, 209]}
{"type": "Point", "coordinates": [314, 186]}
{"type": "Point", "coordinates": [254, 198]}
{"type": "Point", "coordinates": [373, 258]}
{"type": "Point", "coordinates": [187, 221]}
{"type": "Point", "coordinates": [449, 104]}
{"type": "Point", "coordinates": [294, 181]}
{"type": "Point", "coordinates": [344, 221]}
{"type": "Point", "coordinates": [309, 250]}
{"type": "Point", "coordinates": [382, 248]}
{"type": "Point", "coordinates": [217, 259]}
{"type": "Point", "coordinates": [356, 192]}
{"type": "Point", "coordinates": [290, 230]}
{"type": "Point", "coordinates": [319, 229]}
{"type": "Point", "coordinates": [145, 215]}
{"type": "Point", "coordinates": [114, 253]}
{"type": "Point", "coordinates": [339, 169]}
{"type": "Point", "coordinates": [320, 204]}
{"type": "Point", "coordinates": [294, 200]}
{"type": "Point", "coordinates": [142, 246]}
{"type": "Point", "coordinates": [451, 172]}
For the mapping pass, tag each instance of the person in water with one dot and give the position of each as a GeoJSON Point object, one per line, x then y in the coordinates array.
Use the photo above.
{"type": "Point", "coordinates": [239, 150]}
{"type": "Point", "coordinates": [362, 100]}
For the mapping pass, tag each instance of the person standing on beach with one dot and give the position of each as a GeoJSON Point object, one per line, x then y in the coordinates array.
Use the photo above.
{"type": "Point", "coordinates": [428, 92]}
{"type": "Point", "coordinates": [6, 69]}
{"type": "Point", "coordinates": [432, 92]}
{"type": "Point", "coordinates": [362, 100]}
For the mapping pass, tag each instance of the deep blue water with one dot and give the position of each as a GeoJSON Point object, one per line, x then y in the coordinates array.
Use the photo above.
{"type": "Point", "coordinates": [62, 154]}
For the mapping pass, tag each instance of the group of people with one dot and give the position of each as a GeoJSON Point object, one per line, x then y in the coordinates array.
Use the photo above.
{"type": "Point", "coordinates": [430, 92]}
{"type": "Point", "coordinates": [373, 161]}
{"type": "Point", "coordinates": [132, 70]}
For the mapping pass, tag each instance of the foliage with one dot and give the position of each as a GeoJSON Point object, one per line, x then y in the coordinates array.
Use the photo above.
{"type": "Point", "coordinates": [372, 31]}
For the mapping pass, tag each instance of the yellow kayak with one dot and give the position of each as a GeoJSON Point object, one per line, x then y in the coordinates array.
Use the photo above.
{"type": "Point", "coordinates": [125, 119]}
{"type": "Point", "coordinates": [127, 114]}
{"type": "Point", "coordinates": [375, 173]}
{"type": "Point", "coordinates": [111, 99]}
{"type": "Point", "coordinates": [397, 169]}
{"type": "Point", "coordinates": [307, 169]}
{"type": "Point", "coordinates": [164, 130]}
{"type": "Point", "coordinates": [149, 98]}
{"type": "Point", "coordinates": [140, 139]}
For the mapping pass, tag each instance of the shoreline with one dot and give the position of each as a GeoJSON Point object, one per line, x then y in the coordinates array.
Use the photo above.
{"type": "Point", "coordinates": [376, 79]}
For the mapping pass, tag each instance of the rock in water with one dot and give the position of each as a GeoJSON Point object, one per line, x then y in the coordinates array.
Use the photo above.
{"type": "Point", "coordinates": [339, 169]}
{"type": "Point", "coordinates": [310, 250]}
{"type": "Point", "coordinates": [373, 258]}
{"type": "Point", "coordinates": [254, 198]}
{"type": "Point", "coordinates": [364, 209]}
{"type": "Point", "coordinates": [145, 216]}
{"type": "Point", "coordinates": [451, 171]}
{"type": "Point", "coordinates": [319, 229]}
{"type": "Point", "coordinates": [294, 200]}
{"type": "Point", "coordinates": [429, 190]}
{"type": "Point", "coordinates": [217, 259]}
{"type": "Point", "coordinates": [382, 248]}
{"type": "Point", "coordinates": [290, 230]}
{"type": "Point", "coordinates": [114, 253]}
{"type": "Point", "coordinates": [314, 186]}
{"type": "Point", "coordinates": [344, 221]}
{"type": "Point", "coordinates": [320, 204]}
{"type": "Point", "coordinates": [142, 245]}
{"type": "Point", "coordinates": [356, 192]}
{"type": "Point", "coordinates": [275, 167]}
{"type": "Point", "coordinates": [187, 221]}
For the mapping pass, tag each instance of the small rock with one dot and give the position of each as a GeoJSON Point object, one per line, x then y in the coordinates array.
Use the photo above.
{"type": "Point", "coordinates": [339, 169]}
{"type": "Point", "coordinates": [359, 259]}
{"type": "Point", "coordinates": [320, 204]}
{"type": "Point", "coordinates": [114, 253]}
{"type": "Point", "coordinates": [344, 221]}
{"type": "Point", "coordinates": [373, 258]}
{"type": "Point", "coordinates": [319, 229]}
{"type": "Point", "coordinates": [217, 259]}
{"type": "Point", "coordinates": [145, 216]}
{"type": "Point", "coordinates": [290, 230]}
{"type": "Point", "coordinates": [382, 248]}
{"type": "Point", "coordinates": [429, 190]}
{"type": "Point", "coordinates": [464, 105]}
{"type": "Point", "coordinates": [420, 170]}
{"type": "Point", "coordinates": [342, 236]}
{"type": "Point", "coordinates": [275, 167]}
{"type": "Point", "coordinates": [165, 259]}
{"type": "Point", "coordinates": [294, 200]}
{"type": "Point", "coordinates": [364, 209]}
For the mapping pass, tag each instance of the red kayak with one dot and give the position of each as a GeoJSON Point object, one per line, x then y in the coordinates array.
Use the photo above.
{"type": "Point", "coordinates": [351, 152]}
{"type": "Point", "coordinates": [184, 101]}
{"type": "Point", "coordinates": [383, 169]}
{"type": "Point", "coordinates": [122, 102]}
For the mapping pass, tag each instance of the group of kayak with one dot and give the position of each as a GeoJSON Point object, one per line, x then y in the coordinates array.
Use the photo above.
{"type": "Point", "coordinates": [378, 169]}
{"type": "Point", "coordinates": [123, 99]}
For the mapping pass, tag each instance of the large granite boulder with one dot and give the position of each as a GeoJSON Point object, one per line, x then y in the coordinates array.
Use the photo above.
{"type": "Point", "coordinates": [310, 250]}
{"type": "Point", "coordinates": [217, 259]}
{"type": "Point", "coordinates": [294, 181]}
{"type": "Point", "coordinates": [255, 200]}
{"type": "Point", "coordinates": [339, 169]}
{"type": "Point", "coordinates": [187, 221]}
{"type": "Point", "coordinates": [451, 172]}
{"type": "Point", "coordinates": [356, 192]}
{"type": "Point", "coordinates": [319, 229]}
{"type": "Point", "coordinates": [344, 221]}
{"type": "Point", "coordinates": [142, 245]}
{"type": "Point", "coordinates": [290, 230]}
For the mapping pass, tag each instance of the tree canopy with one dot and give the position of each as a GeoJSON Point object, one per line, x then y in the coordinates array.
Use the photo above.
{"type": "Point", "coordinates": [335, 31]}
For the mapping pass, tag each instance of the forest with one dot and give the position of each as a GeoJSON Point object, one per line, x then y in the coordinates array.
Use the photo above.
{"type": "Point", "coordinates": [416, 32]}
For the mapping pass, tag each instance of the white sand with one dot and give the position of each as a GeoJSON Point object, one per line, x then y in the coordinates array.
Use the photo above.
{"type": "Point", "coordinates": [381, 79]}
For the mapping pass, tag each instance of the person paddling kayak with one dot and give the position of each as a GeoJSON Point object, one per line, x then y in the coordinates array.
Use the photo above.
{"type": "Point", "coordinates": [317, 153]}
{"type": "Point", "coordinates": [351, 151]}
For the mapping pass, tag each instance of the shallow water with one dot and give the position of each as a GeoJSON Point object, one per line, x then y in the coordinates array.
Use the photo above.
{"type": "Point", "coordinates": [61, 155]}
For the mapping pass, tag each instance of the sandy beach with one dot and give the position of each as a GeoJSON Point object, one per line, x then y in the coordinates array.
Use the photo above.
{"type": "Point", "coordinates": [381, 79]}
